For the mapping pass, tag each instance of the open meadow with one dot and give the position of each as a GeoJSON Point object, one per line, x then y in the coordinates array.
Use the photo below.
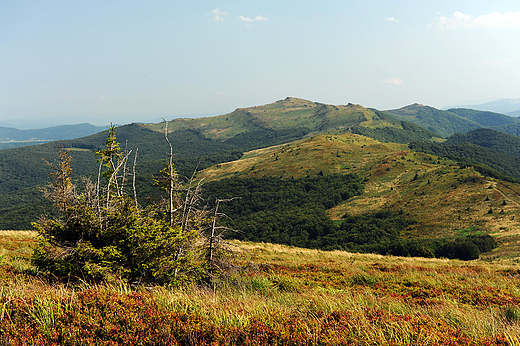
{"type": "Point", "coordinates": [283, 296]}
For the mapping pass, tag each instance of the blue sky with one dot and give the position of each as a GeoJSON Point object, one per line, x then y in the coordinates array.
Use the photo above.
{"type": "Point", "coordinates": [126, 61]}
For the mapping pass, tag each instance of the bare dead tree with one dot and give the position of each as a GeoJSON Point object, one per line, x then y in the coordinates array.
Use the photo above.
{"type": "Point", "coordinates": [218, 251]}
{"type": "Point", "coordinates": [192, 198]}
{"type": "Point", "coordinates": [124, 174]}
{"type": "Point", "coordinates": [114, 178]}
{"type": "Point", "coordinates": [171, 174]}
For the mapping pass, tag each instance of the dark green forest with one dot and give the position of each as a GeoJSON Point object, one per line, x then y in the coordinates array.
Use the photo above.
{"type": "Point", "coordinates": [499, 141]}
{"type": "Point", "coordinates": [382, 232]}
{"type": "Point", "coordinates": [293, 212]}
{"type": "Point", "coordinates": [489, 162]}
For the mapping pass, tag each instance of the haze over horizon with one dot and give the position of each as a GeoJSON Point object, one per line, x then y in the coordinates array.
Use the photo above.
{"type": "Point", "coordinates": [122, 62]}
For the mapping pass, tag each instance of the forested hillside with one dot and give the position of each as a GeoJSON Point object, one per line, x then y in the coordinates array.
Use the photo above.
{"type": "Point", "coordinates": [430, 197]}
{"type": "Point", "coordinates": [496, 140]}
{"type": "Point", "coordinates": [482, 147]}
{"type": "Point", "coordinates": [444, 123]}
{"type": "Point", "coordinates": [484, 118]}
{"type": "Point", "coordinates": [488, 161]}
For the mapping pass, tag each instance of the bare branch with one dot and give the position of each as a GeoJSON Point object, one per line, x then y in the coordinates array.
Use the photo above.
{"type": "Point", "coordinates": [133, 181]}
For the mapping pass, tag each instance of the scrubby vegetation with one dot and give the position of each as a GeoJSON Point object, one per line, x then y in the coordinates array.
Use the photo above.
{"type": "Point", "coordinates": [406, 133]}
{"type": "Point", "coordinates": [103, 234]}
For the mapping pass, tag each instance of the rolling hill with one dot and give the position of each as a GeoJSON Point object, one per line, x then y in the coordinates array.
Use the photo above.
{"type": "Point", "coordinates": [294, 118]}
{"type": "Point", "coordinates": [209, 140]}
{"type": "Point", "coordinates": [444, 199]}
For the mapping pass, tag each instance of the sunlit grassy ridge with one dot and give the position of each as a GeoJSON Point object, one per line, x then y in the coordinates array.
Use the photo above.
{"type": "Point", "coordinates": [285, 296]}
{"type": "Point", "coordinates": [444, 198]}
{"type": "Point", "coordinates": [284, 114]}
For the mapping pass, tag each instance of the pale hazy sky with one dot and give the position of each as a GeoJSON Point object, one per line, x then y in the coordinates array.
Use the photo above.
{"type": "Point", "coordinates": [126, 61]}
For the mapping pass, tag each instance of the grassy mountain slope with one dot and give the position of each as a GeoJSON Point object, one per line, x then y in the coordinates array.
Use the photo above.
{"type": "Point", "coordinates": [288, 113]}
{"type": "Point", "coordinates": [443, 198]}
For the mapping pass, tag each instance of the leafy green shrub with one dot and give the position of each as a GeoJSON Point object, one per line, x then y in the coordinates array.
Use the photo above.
{"type": "Point", "coordinates": [484, 242]}
{"type": "Point", "coordinates": [286, 284]}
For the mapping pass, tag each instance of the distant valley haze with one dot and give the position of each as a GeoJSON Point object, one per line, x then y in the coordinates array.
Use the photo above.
{"type": "Point", "coordinates": [72, 62]}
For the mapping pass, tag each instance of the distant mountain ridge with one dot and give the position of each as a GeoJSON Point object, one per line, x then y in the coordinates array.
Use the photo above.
{"type": "Point", "coordinates": [505, 106]}
{"type": "Point", "coordinates": [302, 118]}
{"type": "Point", "coordinates": [12, 137]}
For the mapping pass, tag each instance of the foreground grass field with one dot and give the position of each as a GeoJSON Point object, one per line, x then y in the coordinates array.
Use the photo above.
{"type": "Point", "coordinates": [286, 296]}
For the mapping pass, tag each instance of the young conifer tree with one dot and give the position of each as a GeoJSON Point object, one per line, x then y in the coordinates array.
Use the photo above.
{"type": "Point", "coordinates": [103, 234]}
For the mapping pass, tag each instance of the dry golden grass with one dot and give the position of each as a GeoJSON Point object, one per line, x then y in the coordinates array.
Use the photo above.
{"type": "Point", "coordinates": [20, 234]}
{"type": "Point", "coordinates": [376, 299]}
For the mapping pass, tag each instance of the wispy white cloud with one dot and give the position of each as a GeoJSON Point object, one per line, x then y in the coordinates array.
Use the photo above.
{"type": "Point", "coordinates": [219, 14]}
{"type": "Point", "coordinates": [460, 20]}
{"type": "Point", "coordinates": [395, 81]}
{"type": "Point", "coordinates": [256, 19]}
{"type": "Point", "coordinates": [392, 19]}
